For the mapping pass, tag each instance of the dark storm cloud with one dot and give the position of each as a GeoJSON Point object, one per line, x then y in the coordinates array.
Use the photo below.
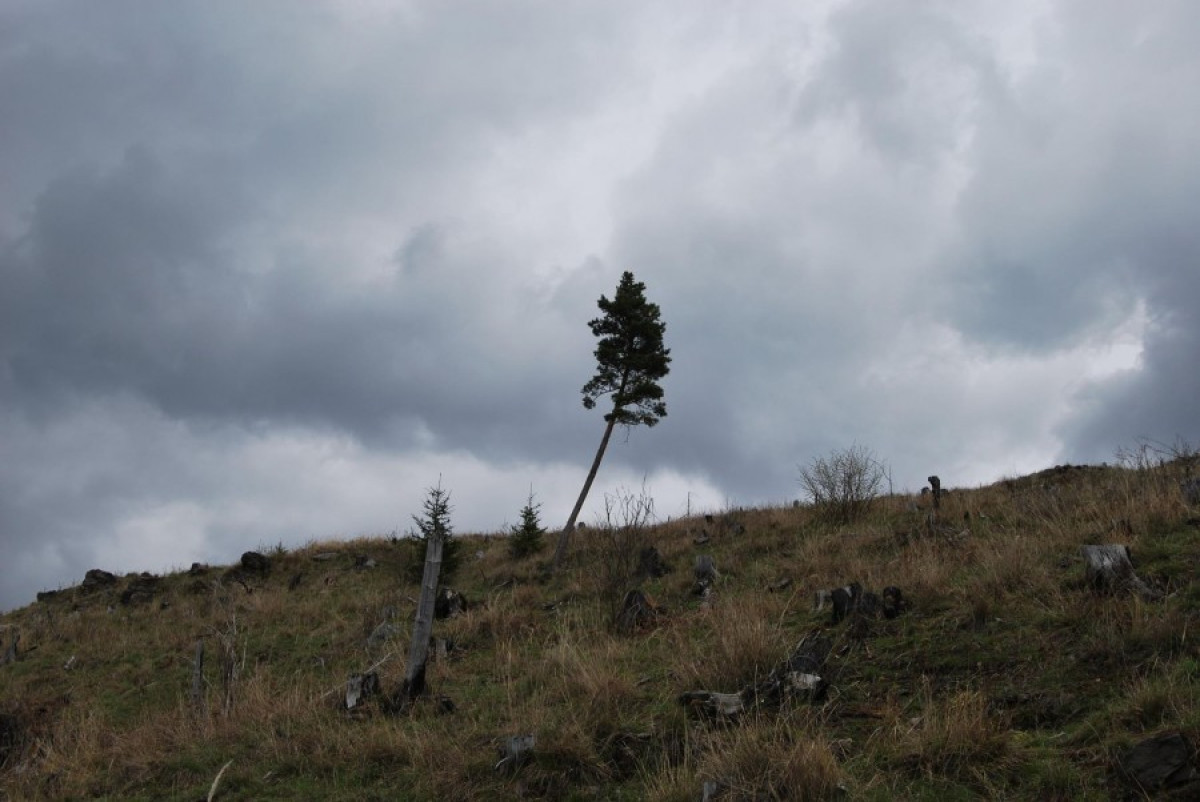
{"type": "Point", "coordinates": [122, 286]}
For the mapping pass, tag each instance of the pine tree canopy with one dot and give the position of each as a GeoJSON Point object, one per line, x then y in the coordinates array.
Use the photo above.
{"type": "Point", "coordinates": [630, 356]}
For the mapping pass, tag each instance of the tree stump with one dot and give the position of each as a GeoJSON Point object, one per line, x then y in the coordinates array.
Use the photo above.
{"type": "Point", "coordinates": [650, 564]}
{"type": "Point", "coordinates": [706, 576]}
{"type": "Point", "coordinates": [515, 751]}
{"type": "Point", "coordinates": [851, 599]}
{"type": "Point", "coordinates": [449, 604]}
{"type": "Point", "coordinates": [638, 611]}
{"type": "Point", "coordinates": [1164, 761]}
{"type": "Point", "coordinates": [10, 654]}
{"type": "Point", "coordinates": [255, 563]}
{"type": "Point", "coordinates": [95, 579]}
{"type": "Point", "coordinates": [141, 589]}
{"type": "Point", "coordinates": [360, 687]}
{"type": "Point", "coordinates": [198, 677]}
{"type": "Point", "coordinates": [1191, 491]}
{"type": "Point", "coordinates": [1110, 569]}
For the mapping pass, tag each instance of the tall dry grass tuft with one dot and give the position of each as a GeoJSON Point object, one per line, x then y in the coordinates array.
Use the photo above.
{"type": "Point", "coordinates": [771, 760]}
{"type": "Point", "coordinates": [954, 737]}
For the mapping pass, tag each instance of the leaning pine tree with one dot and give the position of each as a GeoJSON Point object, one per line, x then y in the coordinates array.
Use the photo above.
{"type": "Point", "coordinates": [630, 361]}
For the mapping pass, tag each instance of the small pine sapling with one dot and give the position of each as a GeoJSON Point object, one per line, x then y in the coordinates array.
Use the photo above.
{"type": "Point", "coordinates": [436, 520]}
{"type": "Point", "coordinates": [527, 538]}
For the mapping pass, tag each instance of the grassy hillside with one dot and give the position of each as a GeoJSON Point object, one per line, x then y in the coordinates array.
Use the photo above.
{"type": "Point", "coordinates": [1008, 677]}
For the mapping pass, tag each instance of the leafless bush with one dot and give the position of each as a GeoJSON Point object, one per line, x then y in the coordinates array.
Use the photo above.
{"type": "Point", "coordinates": [843, 484]}
{"type": "Point", "coordinates": [617, 542]}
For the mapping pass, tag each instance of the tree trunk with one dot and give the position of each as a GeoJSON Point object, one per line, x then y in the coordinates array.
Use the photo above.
{"type": "Point", "coordinates": [418, 651]}
{"type": "Point", "coordinates": [565, 536]}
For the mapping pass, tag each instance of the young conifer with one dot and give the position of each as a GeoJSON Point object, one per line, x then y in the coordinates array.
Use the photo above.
{"type": "Point", "coordinates": [527, 538]}
{"type": "Point", "coordinates": [436, 519]}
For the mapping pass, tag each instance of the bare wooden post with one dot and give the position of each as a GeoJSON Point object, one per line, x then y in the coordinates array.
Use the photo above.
{"type": "Point", "coordinates": [198, 677]}
{"type": "Point", "coordinates": [418, 651]}
{"type": "Point", "coordinates": [10, 656]}
{"type": "Point", "coordinates": [935, 485]}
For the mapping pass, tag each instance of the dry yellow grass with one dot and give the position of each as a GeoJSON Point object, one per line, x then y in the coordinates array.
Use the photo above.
{"type": "Point", "coordinates": [1009, 677]}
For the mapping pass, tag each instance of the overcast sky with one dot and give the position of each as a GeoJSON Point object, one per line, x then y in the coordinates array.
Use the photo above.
{"type": "Point", "coordinates": [270, 269]}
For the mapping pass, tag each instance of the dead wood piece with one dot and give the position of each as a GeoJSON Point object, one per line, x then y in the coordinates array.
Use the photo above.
{"type": "Point", "coordinates": [638, 611]}
{"type": "Point", "coordinates": [382, 634]}
{"type": "Point", "coordinates": [795, 677]}
{"type": "Point", "coordinates": [198, 677]}
{"type": "Point", "coordinates": [418, 651]}
{"type": "Point", "coordinates": [363, 562]}
{"type": "Point", "coordinates": [449, 604]}
{"type": "Point", "coordinates": [95, 579]}
{"type": "Point", "coordinates": [12, 736]}
{"type": "Point", "coordinates": [714, 704]}
{"type": "Point", "coordinates": [444, 647]}
{"type": "Point", "coordinates": [706, 576]}
{"type": "Point", "coordinates": [140, 590]}
{"type": "Point", "coordinates": [516, 751]}
{"type": "Point", "coordinates": [10, 654]}
{"type": "Point", "coordinates": [782, 584]}
{"type": "Point", "coordinates": [255, 563]}
{"type": "Point", "coordinates": [1110, 569]}
{"type": "Point", "coordinates": [894, 602]}
{"type": "Point", "coordinates": [651, 564]}
{"type": "Point", "coordinates": [845, 599]}
{"type": "Point", "coordinates": [1164, 761]}
{"type": "Point", "coordinates": [936, 484]}
{"type": "Point", "coordinates": [852, 600]}
{"type": "Point", "coordinates": [360, 687]}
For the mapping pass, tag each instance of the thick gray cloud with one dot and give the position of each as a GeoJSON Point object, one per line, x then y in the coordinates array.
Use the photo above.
{"type": "Point", "coordinates": [268, 271]}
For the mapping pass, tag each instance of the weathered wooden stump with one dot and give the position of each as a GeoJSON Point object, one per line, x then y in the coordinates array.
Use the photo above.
{"type": "Point", "coordinates": [1110, 569]}
{"type": "Point", "coordinates": [140, 590]}
{"type": "Point", "coordinates": [1162, 762]}
{"type": "Point", "coordinates": [449, 604]}
{"type": "Point", "coordinates": [381, 634]}
{"type": "Point", "coordinates": [651, 564]}
{"type": "Point", "coordinates": [10, 654]}
{"type": "Point", "coordinates": [706, 576]}
{"type": "Point", "coordinates": [845, 600]}
{"type": "Point", "coordinates": [197, 695]}
{"type": "Point", "coordinates": [360, 687]}
{"type": "Point", "coordinates": [255, 563]}
{"type": "Point", "coordinates": [637, 612]}
{"type": "Point", "coordinates": [894, 602]}
{"type": "Point", "coordinates": [851, 599]}
{"type": "Point", "coordinates": [515, 751]}
{"type": "Point", "coordinates": [95, 579]}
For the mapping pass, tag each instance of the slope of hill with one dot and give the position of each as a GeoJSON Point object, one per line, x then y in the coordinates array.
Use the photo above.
{"type": "Point", "coordinates": [1008, 676]}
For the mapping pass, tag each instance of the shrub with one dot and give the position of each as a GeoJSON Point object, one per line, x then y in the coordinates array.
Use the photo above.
{"type": "Point", "coordinates": [843, 484]}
